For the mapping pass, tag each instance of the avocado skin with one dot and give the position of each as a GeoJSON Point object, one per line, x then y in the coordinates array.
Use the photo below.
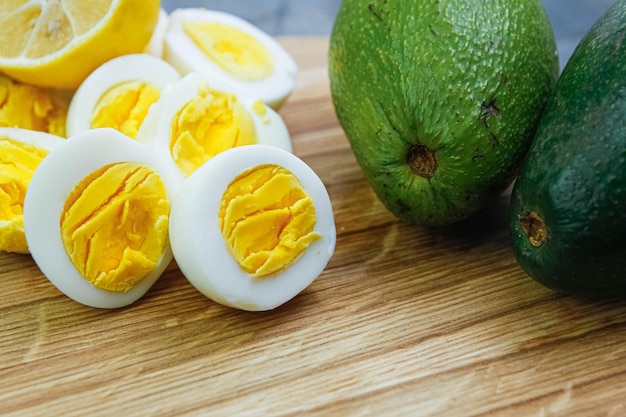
{"type": "Point", "coordinates": [465, 80]}
{"type": "Point", "coordinates": [574, 176]}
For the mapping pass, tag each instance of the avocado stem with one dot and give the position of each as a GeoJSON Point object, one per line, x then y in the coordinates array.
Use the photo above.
{"type": "Point", "coordinates": [422, 161]}
{"type": "Point", "coordinates": [533, 226]}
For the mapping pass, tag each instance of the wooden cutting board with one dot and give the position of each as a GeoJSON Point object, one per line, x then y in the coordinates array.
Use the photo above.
{"type": "Point", "coordinates": [404, 321]}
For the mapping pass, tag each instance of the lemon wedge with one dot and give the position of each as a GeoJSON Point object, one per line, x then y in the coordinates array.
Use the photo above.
{"type": "Point", "coordinates": [58, 43]}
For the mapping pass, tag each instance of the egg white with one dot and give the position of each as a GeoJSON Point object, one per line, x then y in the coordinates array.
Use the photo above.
{"type": "Point", "coordinates": [59, 172]}
{"type": "Point", "coordinates": [201, 251]}
{"type": "Point", "coordinates": [134, 67]}
{"type": "Point", "coordinates": [40, 140]}
{"type": "Point", "coordinates": [181, 51]}
{"type": "Point", "coordinates": [156, 128]}
{"type": "Point", "coordinates": [35, 138]}
{"type": "Point", "coordinates": [155, 45]}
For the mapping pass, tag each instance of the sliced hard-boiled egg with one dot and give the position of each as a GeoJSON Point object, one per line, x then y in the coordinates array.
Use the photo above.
{"type": "Point", "coordinates": [21, 152]}
{"type": "Point", "coordinates": [33, 107]}
{"type": "Point", "coordinates": [155, 45]}
{"type": "Point", "coordinates": [96, 217]}
{"type": "Point", "coordinates": [119, 93]}
{"type": "Point", "coordinates": [232, 50]}
{"type": "Point", "coordinates": [253, 227]}
{"type": "Point", "coordinates": [199, 117]}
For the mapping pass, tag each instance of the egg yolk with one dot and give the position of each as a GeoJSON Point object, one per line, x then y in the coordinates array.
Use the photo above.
{"type": "Point", "coordinates": [124, 107]}
{"type": "Point", "coordinates": [267, 219]}
{"type": "Point", "coordinates": [114, 225]}
{"type": "Point", "coordinates": [31, 107]}
{"type": "Point", "coordinates": [260, 109]}
{"type": "Point", "coordinates": [235, 51]}
{"type": "Point", "coordinates": [18, 162]}
{"type": "Point", "coordinates": [208, 124]}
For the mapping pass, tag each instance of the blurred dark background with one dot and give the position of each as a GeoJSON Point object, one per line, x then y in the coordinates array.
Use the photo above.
{"type": "Point", "coordinates": [570, 18]}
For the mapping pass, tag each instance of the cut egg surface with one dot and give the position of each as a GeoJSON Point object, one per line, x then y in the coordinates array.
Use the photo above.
{"type": "Point", "coordinates": [253, 227]}
{"type": "Point", "coordinates": [96, 217]}
{"type": "Point", "coordinates": [119, 93]}
{"type": "Point", "coordinates": [31, 107]}
{"type": "Point", "coordinates": [21, 152]}
{"type": "Point", "coordinates": [200, 117]}
{"type": "Point", "coordinates": [231, 50]}
{"type": "Point", "coordinates": [155, 45]}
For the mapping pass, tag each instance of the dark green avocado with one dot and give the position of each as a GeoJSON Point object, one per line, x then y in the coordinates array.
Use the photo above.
{"type": "Point", "coordinates": [568, 205]}
{"type": "Point", "coordinates": [440, 99]}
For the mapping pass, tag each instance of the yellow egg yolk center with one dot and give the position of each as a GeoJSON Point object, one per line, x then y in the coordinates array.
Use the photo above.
{"type": "Point", "coordinates": [267, 219]}
{"type": "Point", "coordinates": [114, 225]}
{"type": "Point", "coordinates": [208, 124]}
{"type": "Point", "coordinates": [124, 107]}
{"type": "Point", "coordinates": [235, 51]}
{"type": "Point", "coordinates": [30, 107]}
{"type": "Point", "coordinates": [18, 162]}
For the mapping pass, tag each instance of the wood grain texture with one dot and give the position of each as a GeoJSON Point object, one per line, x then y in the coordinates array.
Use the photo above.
{"type": "Point", "coordinates": [404, 321]}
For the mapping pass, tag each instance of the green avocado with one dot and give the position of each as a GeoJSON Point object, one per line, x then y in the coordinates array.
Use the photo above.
{"type": "Point", "coordinates": [568, 215]}
{"type": "Point", "coordinates": [440, 99]}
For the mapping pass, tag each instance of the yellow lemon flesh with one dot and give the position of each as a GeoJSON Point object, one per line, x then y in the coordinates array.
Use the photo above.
{"type": "Point", "coordinates": [124, 106]}
{"type": "Point", "coordinates": [233, 50]}
{"type": "Point", "coordinates": [18, 162]}
{"type": "Point", "coordinates": [32, 107]}
{"type": "Point", "coordinates": [267, 219]}
{"type": "Point", "coordinates": [208, 124]}
{"type": "Point", "coordinates": [59, 43]}
{"type": "Point", "coordinates": [114, 225]}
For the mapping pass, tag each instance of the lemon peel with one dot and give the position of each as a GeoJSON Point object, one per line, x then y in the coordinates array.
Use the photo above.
{"type": "Point", "coordinates": [59, 45]}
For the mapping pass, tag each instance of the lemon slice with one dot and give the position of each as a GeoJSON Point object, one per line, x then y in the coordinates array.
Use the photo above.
{"type": "Point", "coordinates": [58, 43]}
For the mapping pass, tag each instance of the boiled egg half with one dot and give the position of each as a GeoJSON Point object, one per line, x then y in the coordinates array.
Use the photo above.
{"type": "Point", "coordinates": [200, 116]}
{"type": "Point", "coordinates": [253, 227]}
{"type": "Point", "coordinates": [96, 217]}
{"type": "Point", "coordinates": [33, 107]}
{"type": "Point", "coordinates": [231, 50]}
{"type": "Point", "coordinates": [119, 93]}
{"type": "Point", "coordinates": [155, 45]}
{"type": "Point", "coordinates": [21, 152]}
